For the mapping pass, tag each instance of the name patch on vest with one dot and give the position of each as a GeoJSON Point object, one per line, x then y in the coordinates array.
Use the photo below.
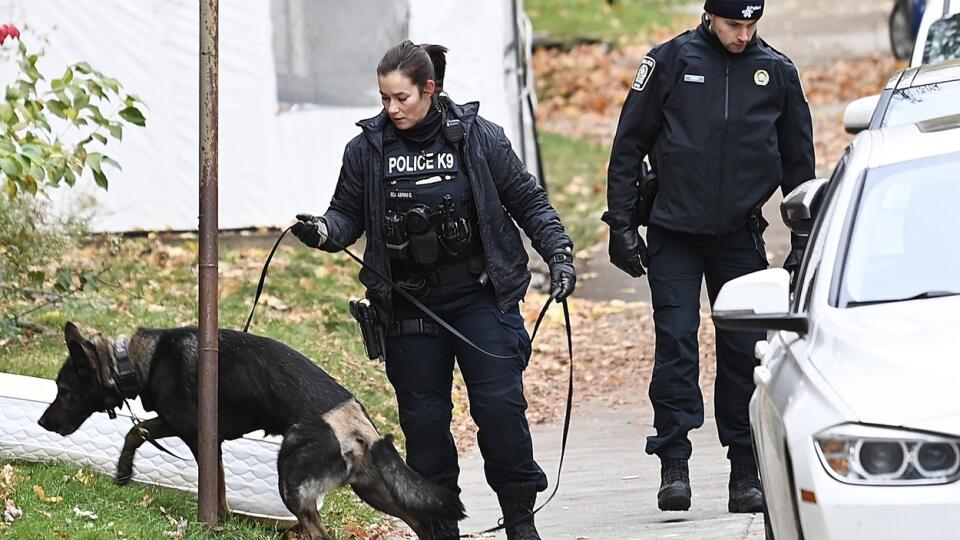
{"type": "Point", "coordinates": [418, 163]}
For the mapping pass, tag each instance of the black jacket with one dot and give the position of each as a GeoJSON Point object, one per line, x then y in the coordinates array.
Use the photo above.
{"type": "Point", "coordinates": [722, 132]}
{"type": "Point", "coordinates": [502, 189]}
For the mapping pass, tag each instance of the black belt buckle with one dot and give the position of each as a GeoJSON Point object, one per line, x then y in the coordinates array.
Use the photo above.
{"type": "Point", "coordinates": [414, 327]}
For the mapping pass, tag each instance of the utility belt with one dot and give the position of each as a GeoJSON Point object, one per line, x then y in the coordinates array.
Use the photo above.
{"type": "Point", "coordinates": [373, 334]}
{"type": "Point", "coordinates": [372, 331]}
{"type": "Point", "coordinates": [418, 282]}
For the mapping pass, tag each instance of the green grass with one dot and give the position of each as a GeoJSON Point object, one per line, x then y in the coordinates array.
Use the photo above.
{"type": "Point", "coordinates": [563, 20]}
{"type": "Point", "coordinates": [149, 284]}
{"type": "Point", "coordinates": [135, 512]}
{"type": "Point", "coordinates": [576, 173]}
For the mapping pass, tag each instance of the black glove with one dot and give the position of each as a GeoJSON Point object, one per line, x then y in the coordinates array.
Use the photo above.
{"type": "Point", "coordinates": [563, 276]}
{"type": "Point", "coordinates": [311, 230]}
{"type": "Point", "coordinates": [627, 250]}
{"type": "Point", "coordinates": [798, 244]}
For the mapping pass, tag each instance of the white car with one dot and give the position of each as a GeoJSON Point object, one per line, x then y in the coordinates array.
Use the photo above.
{"type": "Point", "coordinates": [856, 415]}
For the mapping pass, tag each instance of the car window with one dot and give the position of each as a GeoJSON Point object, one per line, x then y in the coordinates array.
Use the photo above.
{"type": "Point", "coordinates": [897, 248]}
{"type": "Point", "coordinates": [943, 40]}
{"type": "Point", "coordinates": [911, 105]}
{"type": "Point", "coordinates": [814, 251]}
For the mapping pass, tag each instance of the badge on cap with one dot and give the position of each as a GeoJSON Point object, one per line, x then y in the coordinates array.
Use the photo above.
{"type": "Point", "coordinates": [761, 77]}
{"type": "Point", "coordinates": [643, 74]}
{"type": "Point", "coordinates": [749, 10]}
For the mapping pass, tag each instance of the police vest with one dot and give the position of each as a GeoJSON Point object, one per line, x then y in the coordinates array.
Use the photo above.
{"type": "Point", "coordinates": [431, 218]}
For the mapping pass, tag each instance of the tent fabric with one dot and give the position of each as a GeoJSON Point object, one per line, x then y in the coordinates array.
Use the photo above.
{"type": "Point", "coordinates": [278, 157]}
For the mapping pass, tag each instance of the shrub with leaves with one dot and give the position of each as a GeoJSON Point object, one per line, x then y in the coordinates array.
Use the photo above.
{"type": "Point", "coordinates": [46, 126]}
{"type": "Point", "coordinates": [51, 132]}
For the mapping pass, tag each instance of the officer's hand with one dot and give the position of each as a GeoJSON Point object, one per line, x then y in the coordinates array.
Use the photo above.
{"type": "Point", "coordinates": [798, 244]}
{"type": "Point", "coordinates": [311, 230]}
{"type": "Point", "coordinates": [627, 250]}
{"type": "Point", "coordinates": [563, 276]}
{"type": "Point", "coordinates": [792, 264]}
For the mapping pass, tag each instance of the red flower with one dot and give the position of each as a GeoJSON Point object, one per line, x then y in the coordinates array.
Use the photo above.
{"type": "Point", "coordinates": [8, 30]}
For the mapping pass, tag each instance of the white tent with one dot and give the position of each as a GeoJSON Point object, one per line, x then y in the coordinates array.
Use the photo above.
{"type": "Point", "coordinates": [295, 76]}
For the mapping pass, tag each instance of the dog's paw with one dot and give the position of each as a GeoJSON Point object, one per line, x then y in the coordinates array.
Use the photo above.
{"type": "Point", "coordinates": [123, 476]}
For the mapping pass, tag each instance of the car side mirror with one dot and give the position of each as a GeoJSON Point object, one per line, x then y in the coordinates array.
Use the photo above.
{"type": "Point", "coordinates": [858, 113]}
{"type": "Point", "coordinates": [800, 206]}
{"type": "Point", "coordinates": [758, 301]}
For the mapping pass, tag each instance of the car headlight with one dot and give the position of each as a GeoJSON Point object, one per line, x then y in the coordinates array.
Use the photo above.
{"type": "Point", "coordinates": [859, 454]}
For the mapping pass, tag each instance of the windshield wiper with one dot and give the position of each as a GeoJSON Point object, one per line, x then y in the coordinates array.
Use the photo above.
{"type": "Point", "coordinates": [921, 296]}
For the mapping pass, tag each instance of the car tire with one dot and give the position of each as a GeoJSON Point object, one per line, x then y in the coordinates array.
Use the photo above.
{"type": "Point", "coordinates": [901, 39]}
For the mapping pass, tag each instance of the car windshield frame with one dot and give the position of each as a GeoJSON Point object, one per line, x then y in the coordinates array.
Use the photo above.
{"type": "Point", "coordinates": [873, 179]}
{"type": "Point", "coordinates": [945, 92]}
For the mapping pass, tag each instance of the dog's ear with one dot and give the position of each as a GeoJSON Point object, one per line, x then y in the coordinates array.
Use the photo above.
{"type": "Point", "coordinates": [82, 352]}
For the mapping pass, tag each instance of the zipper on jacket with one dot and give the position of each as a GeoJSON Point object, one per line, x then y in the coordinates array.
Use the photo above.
{"type": "Point", "coordinates": [726, 95]}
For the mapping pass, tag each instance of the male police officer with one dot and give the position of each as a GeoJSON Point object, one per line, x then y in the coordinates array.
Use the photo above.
{"type": "Point", "coordinates": [723, 120]}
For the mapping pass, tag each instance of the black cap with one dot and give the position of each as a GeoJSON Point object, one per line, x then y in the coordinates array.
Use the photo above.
{"type": "Point", "coordinates": [743, 10]}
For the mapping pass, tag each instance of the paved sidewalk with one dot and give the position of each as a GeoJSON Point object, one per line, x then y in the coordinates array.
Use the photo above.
{"type": "Point", "coordinates": [609, 485]}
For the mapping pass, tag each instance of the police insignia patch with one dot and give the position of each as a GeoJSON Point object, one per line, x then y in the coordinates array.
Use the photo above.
{"type": "Point", "coordinates": [643, 73]}
{"type": "Point", "coordinates": [761, 77]}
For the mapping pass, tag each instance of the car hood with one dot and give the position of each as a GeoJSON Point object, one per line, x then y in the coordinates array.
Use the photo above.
{"type": "Point", "coordinates": [895, 364]}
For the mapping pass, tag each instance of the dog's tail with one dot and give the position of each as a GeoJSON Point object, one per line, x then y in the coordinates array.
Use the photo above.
{"type": "Point", "coordinates": [414, 493]}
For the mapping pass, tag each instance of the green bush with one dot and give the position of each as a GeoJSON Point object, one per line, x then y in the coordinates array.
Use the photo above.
{"type": "Point", "coordinates": [52, 131]}
{"type": "Point", "coordinates": [32, 247]}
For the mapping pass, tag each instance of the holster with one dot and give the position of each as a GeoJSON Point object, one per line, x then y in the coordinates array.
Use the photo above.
{"type": "Point", "coordinates": [371, 331]}
{"type": "Point", "coordinates": [647, 186]}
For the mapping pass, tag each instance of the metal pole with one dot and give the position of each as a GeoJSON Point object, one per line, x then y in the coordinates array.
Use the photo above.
{"type": "Point", "coordinates": [207, 372]}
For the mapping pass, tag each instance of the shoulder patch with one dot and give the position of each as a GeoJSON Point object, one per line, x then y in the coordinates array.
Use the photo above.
{"type": "Point", "coordinates": [647, 66]}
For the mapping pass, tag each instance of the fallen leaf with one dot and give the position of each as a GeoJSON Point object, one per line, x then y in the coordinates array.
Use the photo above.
{"type": "Point", "coordinates": [85, 514]}
{"type": "Point", "coordinates": [83, 477]}
{"type": "Point", "coordinates": [11, 512]}
{"type": "Point", "coordinates": [41, 494]}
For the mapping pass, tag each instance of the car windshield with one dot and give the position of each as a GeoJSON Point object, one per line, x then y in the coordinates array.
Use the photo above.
{"type": "Point", "coordinates": [911, 105]}
{"type": "Point", "coordinates": [903, 242]}
{"type": "Point", "coordinates": [943, 41]}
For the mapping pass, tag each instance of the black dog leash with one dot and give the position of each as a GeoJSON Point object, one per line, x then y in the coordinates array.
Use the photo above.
{"type": "Point", "coordinates": [122, 391]}
{"type": "Point", "coordinates": [566, 418]}
{"type": "Point", "coordinates": [407, 296]}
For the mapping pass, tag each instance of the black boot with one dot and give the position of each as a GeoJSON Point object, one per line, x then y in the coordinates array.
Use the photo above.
{"type": "Point", "coordinates": [745, 490]}
{"type": "Point", "coordinates": [674, 494]}
{"type": "Point", "coordinates": [517, 501]}
{"type": "Point", "coordinates": [445, 530]}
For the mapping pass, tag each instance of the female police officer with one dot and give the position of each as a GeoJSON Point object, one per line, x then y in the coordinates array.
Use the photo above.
{"type": "Point", "coordinates": [434, 187]}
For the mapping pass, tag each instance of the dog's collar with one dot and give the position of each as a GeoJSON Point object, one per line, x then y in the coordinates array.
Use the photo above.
{"type": "Point", "coordinates": [124, 374]}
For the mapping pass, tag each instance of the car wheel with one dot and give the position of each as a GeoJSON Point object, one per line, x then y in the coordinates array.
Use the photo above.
{"type": "Point", "coordinates": [901, 39]}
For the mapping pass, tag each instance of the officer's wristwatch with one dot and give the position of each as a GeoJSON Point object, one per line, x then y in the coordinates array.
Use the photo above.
{"type": "Point", "coordinates": [562, 256]}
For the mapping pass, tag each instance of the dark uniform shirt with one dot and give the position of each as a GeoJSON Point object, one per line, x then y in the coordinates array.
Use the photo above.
{"type": "Point", "coordinates": [722, 132]}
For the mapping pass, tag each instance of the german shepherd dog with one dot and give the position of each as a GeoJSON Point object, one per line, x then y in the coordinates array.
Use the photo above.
{"type": "Point", "coordinates": [328, 439]}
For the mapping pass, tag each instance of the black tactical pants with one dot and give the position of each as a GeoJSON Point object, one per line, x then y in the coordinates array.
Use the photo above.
{"type": "Point", "coordinates": [420, 367]}
{"type": "Point", "coordinates": [678, 262]}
